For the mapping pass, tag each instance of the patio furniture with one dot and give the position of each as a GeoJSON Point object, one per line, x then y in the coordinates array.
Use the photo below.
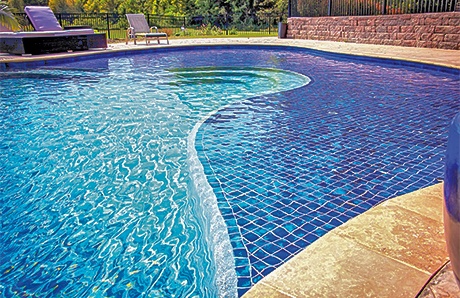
{"type": "Point", "coordinates": [138, 26]}
{"type": "Point", "coordinates": [49, 36]}
{"type": "Point", "coordinates": [35, 43]}
{"type": "Point", "coordinates": [42, 18]}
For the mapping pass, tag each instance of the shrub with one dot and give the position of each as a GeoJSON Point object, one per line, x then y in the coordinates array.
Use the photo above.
{"type": "Point", "coordinates": [168, 31]}
{"type": "Point", "coordinates": [233, 31]}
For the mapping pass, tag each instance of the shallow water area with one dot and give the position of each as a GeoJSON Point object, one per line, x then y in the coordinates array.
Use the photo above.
{"type": "Point", "coordinates": [95, 192]}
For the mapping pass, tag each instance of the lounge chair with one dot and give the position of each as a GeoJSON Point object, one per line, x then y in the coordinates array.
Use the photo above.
{"type": "Point", "coordinates": [138, 26]}
{"type": "Point", "coordinates": [49, 37]}
{"type": "Point", "coordinates": [42, 18]}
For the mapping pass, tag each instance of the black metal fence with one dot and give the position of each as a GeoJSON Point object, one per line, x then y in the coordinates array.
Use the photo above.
{"type": "Point", "coordinates": [319, 8]}
{"type": "Point", "coordinates": [115, 25]}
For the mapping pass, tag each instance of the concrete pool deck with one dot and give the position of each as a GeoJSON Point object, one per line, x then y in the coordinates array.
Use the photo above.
{"type": "Point", "coordinates": [391, 250]}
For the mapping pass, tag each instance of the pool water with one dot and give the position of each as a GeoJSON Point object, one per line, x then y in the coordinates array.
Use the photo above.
{"type": "Point", "coordinates": [96, 197]}
{"type": "Point", "coordinates": [112, 170]}
{"type": "Point", "coordinates": [288, 167]}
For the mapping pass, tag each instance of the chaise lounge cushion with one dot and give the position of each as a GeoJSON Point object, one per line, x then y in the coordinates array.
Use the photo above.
{"type": "Point", "coordinates": [138, 22]}
{"type": "Point", "coordinates": [42, 18]}
{"type": "Point", "coordinates": [138, 26]}
{"type": "Point", "coordinates": [46, 33]}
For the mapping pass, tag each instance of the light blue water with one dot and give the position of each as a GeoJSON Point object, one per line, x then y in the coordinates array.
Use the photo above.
{"type": "Point", "coordinates": [196, 172]}
{"type": "Point", "coordinates": [96, 196]}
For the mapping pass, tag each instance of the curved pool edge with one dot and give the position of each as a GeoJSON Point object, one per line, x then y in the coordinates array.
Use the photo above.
{"type": "Point", "coordinates": [391, 250]}
{"type": "Point", "coordinates": [263, 283]}
{"type": "Point", "coordinates": [436, 59]}
{"type": "Point", "coordinates": [225, 274]}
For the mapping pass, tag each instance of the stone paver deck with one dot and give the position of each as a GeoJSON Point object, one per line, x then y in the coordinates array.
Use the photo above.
{"type": "Point", "coordinates": [392, 250]}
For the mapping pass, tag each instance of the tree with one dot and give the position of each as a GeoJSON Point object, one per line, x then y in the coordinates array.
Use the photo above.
{"type": "Point", "coordinates": [16, 5]}
{"type": "Point", "coordinates": [35, 3]}
{"type": "Point", "coordinates": [277, 7]}
{"type": "Point", "coordinates": [132, 6]}
{"type": "Point", "coordinates": [209, 7]}
{"type": "Point", "coordinates": [7, 18]}
{"type": "Point", "coordinates": [105, 6]}
{"type": "Point", "coordinates": [58, 6]}
{"type": "Point", "coordinates": [212, 10]}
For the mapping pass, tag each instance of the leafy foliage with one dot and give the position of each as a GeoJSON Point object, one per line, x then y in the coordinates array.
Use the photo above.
{"type": "Point", "coordinates": [237, 8]}
{"type": "Point", "coordinates": [7, 18]}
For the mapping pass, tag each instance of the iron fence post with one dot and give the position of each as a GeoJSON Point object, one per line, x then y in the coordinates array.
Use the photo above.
{"type": "Point", "coordinates": [108, 25]}
{"type": "Point", "coordinates": [384, 7]}
{"type": "Point", "coordinates": [60, 19]}
{"type": "Point", "coordinates": [289, 8]}
{"type": "Point", "coordinates": [269, 24]}
{"type": "Point", "coordinates": [329, 8]}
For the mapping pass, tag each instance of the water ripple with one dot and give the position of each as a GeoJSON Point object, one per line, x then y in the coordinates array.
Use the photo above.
{"type": "Point", "coordinates": [96, 192]}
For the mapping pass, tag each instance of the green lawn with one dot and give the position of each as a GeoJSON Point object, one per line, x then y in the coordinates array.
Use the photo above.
{"type": "Point", "coordinates": [176, 33]}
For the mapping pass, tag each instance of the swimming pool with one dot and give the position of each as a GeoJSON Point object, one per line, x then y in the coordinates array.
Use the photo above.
{"type": "Point", "coordinates": [102, 184]}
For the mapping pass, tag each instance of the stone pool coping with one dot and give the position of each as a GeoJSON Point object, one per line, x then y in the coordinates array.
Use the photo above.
{"type": "Point", "coordinates": [391, 250]}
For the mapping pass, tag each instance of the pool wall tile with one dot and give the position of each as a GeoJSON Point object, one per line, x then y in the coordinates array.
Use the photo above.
{"type": "Point", "coordinates": [332, 164]}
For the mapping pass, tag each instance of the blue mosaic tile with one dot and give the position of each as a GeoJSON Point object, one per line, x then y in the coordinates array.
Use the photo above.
{"type": "Point", "coordinates": [294, 165]}
{"type": "Point", "coordinates": [244, 282]}
{"type": "Point", "coordinates": [242, 290]}
{"type": "Point", "coordinates": [242, 271]}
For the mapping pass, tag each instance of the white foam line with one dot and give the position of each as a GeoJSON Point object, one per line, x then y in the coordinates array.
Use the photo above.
{"type": "Point", "coordinates": [226, 277]}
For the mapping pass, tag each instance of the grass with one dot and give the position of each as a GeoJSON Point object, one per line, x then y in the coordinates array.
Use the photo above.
{"type": "Point", "coordinates": [116, 40]}
{"type": "Point", "coordinates": [176, 33]}
{"type": "Point", "coordinates": [244, 34]}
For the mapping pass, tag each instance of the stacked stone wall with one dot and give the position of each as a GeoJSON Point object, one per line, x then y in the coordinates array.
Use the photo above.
{"type": "Point", "coordinates": [429, 30]}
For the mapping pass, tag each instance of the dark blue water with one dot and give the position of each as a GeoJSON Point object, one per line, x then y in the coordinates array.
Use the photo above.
{"type": "Point", "coordinates": [289, 167]}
